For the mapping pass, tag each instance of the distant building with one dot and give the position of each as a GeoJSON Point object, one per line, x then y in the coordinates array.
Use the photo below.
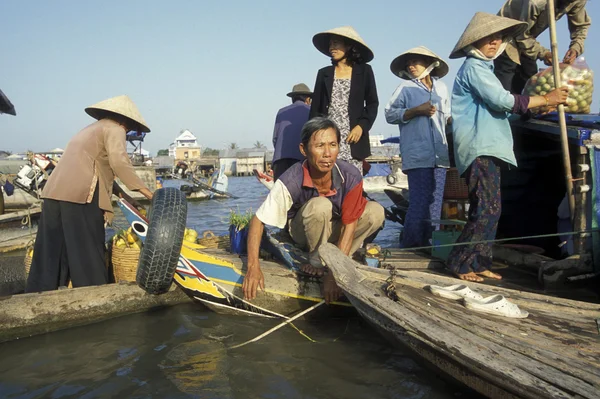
{"type": "Point", "coordinates": [249, 159]}
{"type": "Point", "coordinates": [185, 147]}
{"type": "Point", "coordinates": [241, 162]}
{"type": "Point", "coordinates": [228, 159]}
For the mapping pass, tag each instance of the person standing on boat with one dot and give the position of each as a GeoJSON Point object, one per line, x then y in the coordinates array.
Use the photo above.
{"type": "Point", "coordinates": [420, 107]}
{"type": "Point", "coordinates": [513, 74]}
{"type": "Point", "coordinates": [346, 92]}
{"type": "Point", "coordinates": [482, 135]}
{"type": "Point", "coordinates": [288, 125]}
{"type": "Point", "coordinates": [320, 200]}
{"type": "Point", "coordinates": [77, 199]}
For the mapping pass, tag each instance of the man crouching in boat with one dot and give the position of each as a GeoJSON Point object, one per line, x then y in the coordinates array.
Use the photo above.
{"type": "Point", "coordinates": [320, 200]}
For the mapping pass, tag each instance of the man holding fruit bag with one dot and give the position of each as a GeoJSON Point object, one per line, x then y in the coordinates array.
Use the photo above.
{"type": "Point", "coordinates": [528, 49]}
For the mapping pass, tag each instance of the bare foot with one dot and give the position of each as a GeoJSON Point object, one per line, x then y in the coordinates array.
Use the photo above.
{"type": "Point", "coordinates": [471, 276]}
{"type": "Point", "coordinates": [312, 270]}
{"type": "Point", "coordinates": [490, 274]}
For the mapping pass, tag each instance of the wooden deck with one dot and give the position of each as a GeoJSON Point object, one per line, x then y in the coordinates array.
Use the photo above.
{"type": "Point", "coordinates": [554, 353]}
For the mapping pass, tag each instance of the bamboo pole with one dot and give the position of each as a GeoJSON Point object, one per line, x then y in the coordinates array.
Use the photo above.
{"type": "Point", "coordinates": [564, 139]}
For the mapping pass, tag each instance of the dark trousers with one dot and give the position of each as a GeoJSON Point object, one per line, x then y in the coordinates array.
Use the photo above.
{"type": "Point", "coordinates": [281, 165]}
{"type": "Point", "coordinates": [513, 76]}
{"type": "Point", "coordinates": [483, 180]}
{"type": "Point", "coordinates": [69, 244]}
{"type": "Point", "coordinates": [426, 187]}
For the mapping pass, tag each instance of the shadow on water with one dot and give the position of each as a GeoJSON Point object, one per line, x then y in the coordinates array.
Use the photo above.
{"type": "Point", "coordinates": [182, 352]}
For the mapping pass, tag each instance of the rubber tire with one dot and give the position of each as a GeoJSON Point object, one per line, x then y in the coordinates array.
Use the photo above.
{"type": "Point", "coordinates": [164, 238]}
{"type": "Point", "coordinates": [390, 179]}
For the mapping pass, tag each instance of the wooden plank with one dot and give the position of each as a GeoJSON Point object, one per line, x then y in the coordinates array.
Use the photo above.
{"type": "Point", "coordinates": [538, 301]}
{"type": "Point", "coordinates": [512, 369]}
{"type": "Point", "coordinates": [559, 351]}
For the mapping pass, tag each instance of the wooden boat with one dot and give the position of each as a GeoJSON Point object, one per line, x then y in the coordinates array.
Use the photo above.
{"type": "Point", "coordinates": [554, 353]}
{"type": "Point", "coordinates": [214, 277]}
{"type": "Point", "coordinates": [264, 179]}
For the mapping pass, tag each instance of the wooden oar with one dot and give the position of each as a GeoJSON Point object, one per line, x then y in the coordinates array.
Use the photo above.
{"type": "Point", "coordinates": [277, 327]}
{"type": "Point", "coordinates": [564, 139]}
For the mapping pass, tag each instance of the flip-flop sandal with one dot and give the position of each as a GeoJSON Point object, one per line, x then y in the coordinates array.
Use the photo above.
{"type": "Point", "coordinates": [496, 304]}
{"type": "Point", "coordinates": [457, 291]}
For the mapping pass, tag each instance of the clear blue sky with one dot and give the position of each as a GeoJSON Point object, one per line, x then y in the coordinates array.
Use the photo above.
{"type": "Point", "coordinates": [218, 68]}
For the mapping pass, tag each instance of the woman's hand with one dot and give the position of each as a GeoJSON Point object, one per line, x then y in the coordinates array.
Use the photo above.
{"type": "Point", "coordinates": [426, 109]}
{"type": "Point", "coordinates": [354, 135]}
{"type": "Point", "coordinates": [558, 96]}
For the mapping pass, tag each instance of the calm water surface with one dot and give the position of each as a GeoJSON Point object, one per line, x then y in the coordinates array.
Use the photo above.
{"type": "Point", "coordinates": [182, 352]}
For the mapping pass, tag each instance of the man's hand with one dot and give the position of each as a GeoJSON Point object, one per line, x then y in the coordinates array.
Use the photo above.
{"type": "Point", "coordinates": [570, 56]}
{"type": "Point", "coordinates": [426, 109]}
{"type": "Point", "coordinates": [331, 291]}
{"type": "Point", "coordinates": [253, 280]}
{"type": "Point", "coordinates": [354, 135]}
{"type": "Point", "coordinates": [547, 58]}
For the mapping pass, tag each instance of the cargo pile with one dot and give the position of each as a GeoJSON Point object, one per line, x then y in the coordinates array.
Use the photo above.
{"type": "Point", "coordinates": [127, 239]}
{"type": "Point", "coordinates": [577, 77]}
{"type": "Point", "coordinates": [190, 235]}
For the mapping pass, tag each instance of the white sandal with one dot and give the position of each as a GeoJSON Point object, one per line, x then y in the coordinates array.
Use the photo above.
{"type": "Point", "coordinates": [496, 304]}
{"type": "Point", "coordinates": [458, 291]}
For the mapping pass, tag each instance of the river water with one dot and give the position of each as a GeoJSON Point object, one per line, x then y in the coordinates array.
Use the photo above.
{"type": "Point", "coordinates": [182, 352]}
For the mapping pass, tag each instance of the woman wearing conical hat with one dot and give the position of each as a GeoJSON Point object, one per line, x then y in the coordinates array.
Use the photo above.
{"type": "Point", "coordinates": [345, 91]}
{"type": "Point", "coordinates": [420, 107]}
{"type": "Point", "coordinates": [77, 199]}
{"type": "Point", "coordinates": [482, 135]}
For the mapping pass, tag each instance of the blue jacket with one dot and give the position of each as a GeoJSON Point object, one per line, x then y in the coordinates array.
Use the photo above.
{"type": "Point", "coordinates": [480, 109]}
{"type": "Point", "coordinates": [287, 131]}
{"type": "Point", "coordinates": [423, 141]}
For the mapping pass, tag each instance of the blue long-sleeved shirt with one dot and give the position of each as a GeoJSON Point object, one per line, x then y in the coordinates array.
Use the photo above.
{"type": "Point", "coordinates": [423, 141]}
{"type": "Point", "coordinates": [480, 109]}
{"type": "Point", "coordinates": [287, 131]}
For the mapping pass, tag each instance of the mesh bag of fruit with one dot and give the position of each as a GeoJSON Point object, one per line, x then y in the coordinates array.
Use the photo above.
{"type": "Point", "coordinates": [578, 77]}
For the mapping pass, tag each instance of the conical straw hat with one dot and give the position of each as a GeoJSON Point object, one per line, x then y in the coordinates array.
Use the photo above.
{"type": "Point", "coordinates": [321, 41]}
{"type": "Point", "coordinates": [399, 63]}
{"type": "Point", "coordinates": [121, 105]}
{"type": "Point", "coordinates": [482, 25]}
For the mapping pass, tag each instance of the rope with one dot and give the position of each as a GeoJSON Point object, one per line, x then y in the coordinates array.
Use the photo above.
{"type": "Point", "coordinates": [277, 327]}
{"type": "Point", "coordinates": [571, 233]}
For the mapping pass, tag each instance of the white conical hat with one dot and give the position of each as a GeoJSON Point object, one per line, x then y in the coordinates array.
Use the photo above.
{"type": "Point", "coordinates": [399, 63]}
{"type": "Point", "coordinates": [321, 41]}
{"type": "Point", "coordinates": [482, 25]}
{"type": "Point", "coordinates": [121, 105]}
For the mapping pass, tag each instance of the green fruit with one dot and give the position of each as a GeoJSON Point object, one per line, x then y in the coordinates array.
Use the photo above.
{"type": "Point", "coordinates": [574, 108]}
{"type": "Point", "coordinates": [582, 103]}
{"type": "Point", "coordinates": [542, 80]}
{"type": "Point", "coordinates": [546, 87]}
{"type": "Point", "coordinates": [543, 93]}
{"type": "Point", "coordinates": [538, 89]}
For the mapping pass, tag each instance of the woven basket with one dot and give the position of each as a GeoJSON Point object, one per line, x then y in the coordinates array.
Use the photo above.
{"type": "Point", "coordinates": [210, 240]}
{"type": "Point", "coordinates": [456, 186]}
{"type": "Point", "coordinates": [124, 262]}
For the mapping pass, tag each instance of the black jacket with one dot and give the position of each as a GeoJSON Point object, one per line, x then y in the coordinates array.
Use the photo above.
{"type": "Point", "coordinates": [362, 104]}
